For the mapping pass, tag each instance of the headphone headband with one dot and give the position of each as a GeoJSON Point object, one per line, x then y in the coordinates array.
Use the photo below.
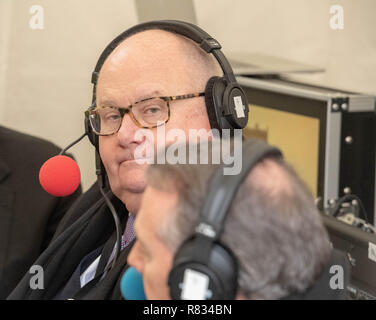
{"type": "Point", "coordinates": [222, 189]}
{"type": "Point", "coordinates": [206, 42]}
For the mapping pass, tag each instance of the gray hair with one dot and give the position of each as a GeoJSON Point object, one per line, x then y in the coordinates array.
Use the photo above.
{"type": "Point", "coordinates": [273, 227]}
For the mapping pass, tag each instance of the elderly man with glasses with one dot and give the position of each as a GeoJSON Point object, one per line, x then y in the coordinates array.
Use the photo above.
{"type": "Point", "coordinates": [153, 78]}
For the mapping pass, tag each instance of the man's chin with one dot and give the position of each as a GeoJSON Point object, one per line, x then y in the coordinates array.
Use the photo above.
{"type": "Point", "coordinates": [131, 198]}
{"type": "Point", "coordinates": [129, 185]}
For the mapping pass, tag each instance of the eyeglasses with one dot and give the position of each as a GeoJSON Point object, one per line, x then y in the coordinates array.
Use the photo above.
{"type": "Point", "coordinates": [147, 113]}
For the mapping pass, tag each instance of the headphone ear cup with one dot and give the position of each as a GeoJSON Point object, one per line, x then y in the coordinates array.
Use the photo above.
{"type": "Point", "coordinates": [236, 106]}
{"type": "Point", "coordinates": [213, 99]}
{"type": "Point", "coordinates": [226, 105]}
{"type": "Point", "coordinates": [220, 270]}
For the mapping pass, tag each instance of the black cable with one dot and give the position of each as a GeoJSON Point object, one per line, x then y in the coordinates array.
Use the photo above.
{"type": "Point", "coordinates": [73, 143]}
{"type": "Point", "coordinates": [117, 224]}
{"type": "Point", "coordinates": [108, 203]}
{"type": "Point", "coordinates": [346, 198]}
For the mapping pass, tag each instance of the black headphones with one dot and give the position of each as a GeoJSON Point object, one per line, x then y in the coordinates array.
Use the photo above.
{"type": "Point", "coordinates": [203, 267]}
{"type": "Point", "coordinates": [226, 102]}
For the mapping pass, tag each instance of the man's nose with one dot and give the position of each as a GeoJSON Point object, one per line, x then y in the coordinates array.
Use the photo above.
{"type": "Point", "coordinates": [127, 132]}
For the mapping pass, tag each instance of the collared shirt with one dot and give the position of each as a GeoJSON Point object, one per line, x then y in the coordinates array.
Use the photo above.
{"type": "Point", "coordinates": [127, 237]}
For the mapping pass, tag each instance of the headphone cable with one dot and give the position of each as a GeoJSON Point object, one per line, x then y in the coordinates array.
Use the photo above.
{"type": "Point", "coordinates": [348, 197]}
{"type": "Point", "coordinates": [72, 144]}
{"type": "Point", "coordinates": [117, 224]}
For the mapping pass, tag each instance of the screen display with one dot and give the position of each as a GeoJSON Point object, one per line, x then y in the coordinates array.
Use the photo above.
{"type": "Point", "coordinates": [296, 135]}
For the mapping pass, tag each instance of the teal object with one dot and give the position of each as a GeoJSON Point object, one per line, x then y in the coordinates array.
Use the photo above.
{"type": "Point", "coordinates": [131, 285]}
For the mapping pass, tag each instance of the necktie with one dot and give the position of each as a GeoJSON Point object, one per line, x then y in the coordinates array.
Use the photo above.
{"type": "Point", "coordinates": [126, 238]}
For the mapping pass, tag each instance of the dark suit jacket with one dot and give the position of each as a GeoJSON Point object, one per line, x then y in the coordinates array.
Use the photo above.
{"type": "Point", "coordinates": [87, 226]}
{"type": "Point", "coordinates": [28, 215]}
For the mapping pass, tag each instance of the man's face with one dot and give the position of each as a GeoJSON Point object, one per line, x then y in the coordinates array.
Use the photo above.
{"type": "Point", "coordinates": [150, 256]}
{"type": "Point", "coordinates": [148, 64]}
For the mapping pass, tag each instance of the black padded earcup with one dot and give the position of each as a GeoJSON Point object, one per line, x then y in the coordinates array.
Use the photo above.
{"type": "Point", "coordinates": [235, 105]}
{"type": "Point", "coordinates": [221, 269]}
{"type": "Point", "coordinates": [220, 104]}
{"type": "Point", "coordinates": [213, 102]}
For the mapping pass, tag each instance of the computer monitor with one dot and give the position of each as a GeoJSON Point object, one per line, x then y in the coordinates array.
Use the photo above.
{"type": "Point", "coordinates": [299, 139]}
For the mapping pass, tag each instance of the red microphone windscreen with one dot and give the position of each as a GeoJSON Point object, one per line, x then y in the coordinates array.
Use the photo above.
{"type": "Point", "coordinates": [60, 176]}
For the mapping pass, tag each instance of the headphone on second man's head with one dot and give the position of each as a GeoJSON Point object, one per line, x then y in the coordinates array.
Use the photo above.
{"type": "Point", "coordinates": [204, 268]}
{"type": "Point", "coordinates": [226, 102]}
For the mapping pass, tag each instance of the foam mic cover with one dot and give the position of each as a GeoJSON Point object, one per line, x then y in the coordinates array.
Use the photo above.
{"type": "Point", "coordinates": [60, 176]}
{"type": "Point", "coordinates": [131, 285]}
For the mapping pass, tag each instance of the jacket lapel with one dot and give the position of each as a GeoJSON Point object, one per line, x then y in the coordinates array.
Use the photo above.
{"type": "Point", "coordinates": [7, 197]}
{"type": "Point", "coordinates": [4, 170]}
